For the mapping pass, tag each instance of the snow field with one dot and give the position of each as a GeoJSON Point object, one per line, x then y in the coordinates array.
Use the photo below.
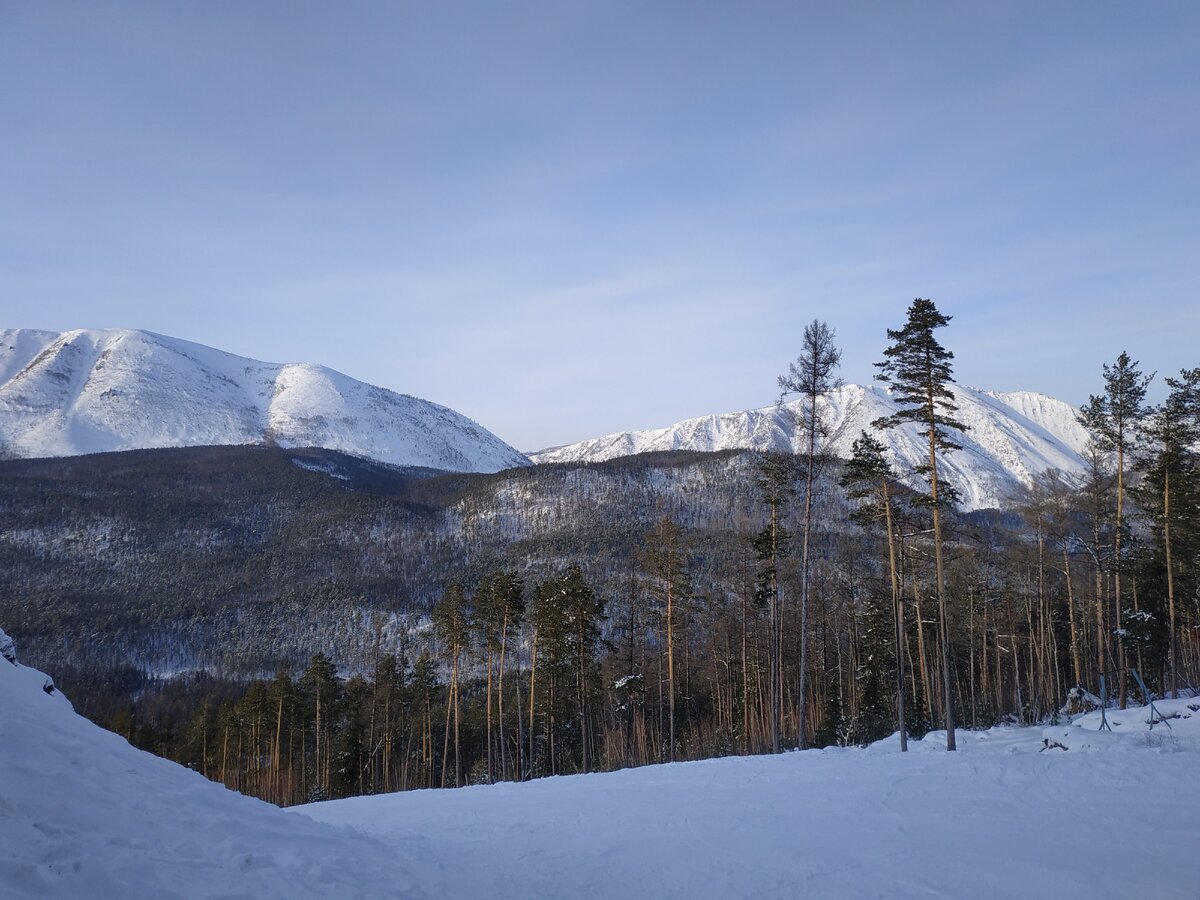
{"type": "Point", "coordinates": [84, 815]}
{"type": "Point", "coordinates": [999, 818]}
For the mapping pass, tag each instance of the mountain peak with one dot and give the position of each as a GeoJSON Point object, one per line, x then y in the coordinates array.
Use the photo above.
{"type": "Point", "coordinates": [1011, 437]}
{"type": "Point", "coordinates": [89, 391]}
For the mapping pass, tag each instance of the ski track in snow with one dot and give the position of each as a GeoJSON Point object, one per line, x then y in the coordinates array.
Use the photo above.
{"type": "Point", "coordinates": [84, 815]}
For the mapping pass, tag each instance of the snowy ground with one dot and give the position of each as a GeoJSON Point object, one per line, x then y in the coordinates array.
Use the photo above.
{"type": "Point", "coordinates": [84, 815]}
{"type": "Point", "coordinates": [997, 819]}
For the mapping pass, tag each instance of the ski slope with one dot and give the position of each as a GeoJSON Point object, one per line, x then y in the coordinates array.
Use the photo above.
{"type": "Point", "coordinates": [84, 815]}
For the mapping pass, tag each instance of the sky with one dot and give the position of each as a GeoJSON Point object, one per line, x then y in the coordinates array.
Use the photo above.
{"type": "Point", "coordinates": [566, 219]}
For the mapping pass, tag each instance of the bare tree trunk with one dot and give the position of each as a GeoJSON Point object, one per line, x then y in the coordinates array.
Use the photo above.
{"type": "Point", "coordinates": [275, 757]}
{"type": "Point", "coordinates": [671, 659]}
{"type": "Point", "coordinates": [897, 618]}
{"type": "Point", "coordinates": [776, 636]}
{"type": "Point", "coordinates": [446, 734]}
{"type": "Point", "coordinates": [948, 686]}
{"type": "Point", "coordinates": [1118, 565]}
{"type": "Point", "coordinates": [1075, 658]}
{"type": "Point", "coordinates": [805, 577]}
{"type": "Point", "coordinates": [491, 768]}
{"type": "Point", "coordinates": [532, 695]}
{"type": "Point", "coordinates": [747, 742]}
{"type": "Point", "coordinates": [1173, 646]}
{"type": "Point", "coordinates": [926, 685]}
{"type": "Point", "coordinates": [500, 697]}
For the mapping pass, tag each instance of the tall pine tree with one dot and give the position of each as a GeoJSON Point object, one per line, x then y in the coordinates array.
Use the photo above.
{"type": "Point", "coordinates": [1171, 468]}
{"type": "Point", "coordinates": [918, 369]}
{"type": "Point", "coordinates": [810, 376]}
{"type": "Point", "coordinates": [1113, 419]}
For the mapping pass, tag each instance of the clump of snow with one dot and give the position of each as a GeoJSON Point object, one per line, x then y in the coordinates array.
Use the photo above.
{"type": "Point", "coordinates": [8, 649]}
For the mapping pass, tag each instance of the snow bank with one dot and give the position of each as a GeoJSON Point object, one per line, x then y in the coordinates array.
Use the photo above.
{"type": "Point", "coordinates": [85, 815]}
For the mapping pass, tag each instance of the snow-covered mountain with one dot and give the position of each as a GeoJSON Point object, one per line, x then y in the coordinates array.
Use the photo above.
{"type": "Point", "coordinates": [1010, 438]}
{"type": "Point", "coordinates": [95, 391]}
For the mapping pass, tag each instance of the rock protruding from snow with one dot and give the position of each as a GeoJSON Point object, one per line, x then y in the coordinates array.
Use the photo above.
{"type": "Point", "coordinates": [1010, 438]}
{"type": "Point", "coordinates": [96, 391]}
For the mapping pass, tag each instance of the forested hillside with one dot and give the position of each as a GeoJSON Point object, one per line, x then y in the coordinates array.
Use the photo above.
{"type": "Point", "coordinates": [337, 626]}
{"type": "Point", "coordinates": [241, 559]}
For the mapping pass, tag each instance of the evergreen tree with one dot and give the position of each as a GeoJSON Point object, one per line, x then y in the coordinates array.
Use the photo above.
{"type": "Point", "coordinates": [351, 749]}
{"type": "Point", "coordinates": [775, 482]}
{"type": "Point", "coordinates": [423, 689]}
{"type": "Point", "coordinates": [810, 376]}
{"type": "Point", "coordinates": [499, 605]}
{"type": "Point", "coordinates": [567, 616]}
{"type": "Point", "coordinates": [869, 478]}
{"type": "Point", "coordinates": [452, 627]}
{"type": "Point", "coordinates": [325, 694]}
{"type": "Point", "coordinates": [832, 732]}
{"type": "Point", "coordinates": [666, 563]}
{"type": "Point", "coordinates": [918, 369]}
{"type": "Point", "coordinates": [1171, 471]}
{"type": "Point", "coordinates": [872, 718]}
{"type": "Point", "coordinates": [1113, 419]}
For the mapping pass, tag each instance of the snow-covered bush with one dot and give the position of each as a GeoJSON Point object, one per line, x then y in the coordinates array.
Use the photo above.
{"type": "Point", "coordinates": [7, 648]}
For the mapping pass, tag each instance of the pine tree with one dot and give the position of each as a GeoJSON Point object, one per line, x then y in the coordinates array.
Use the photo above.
{"type": "Point", "coordinates": [1173, 430]}
{"type": "Point", "coordinates": [869, 478]}
{"type": "Point", "coordinates": [666, 562]}
{"type": "Point", "coordinates": [422, 689]}
{"type": "Point", "coordinates": [325, 693]}
{"type": "Point", "coordinates": [872, 718]}
{"type": "Point", "coordinates": [810, 376]}
{"type": "Point", "coordinates": [567, 616]}
{"type": "Point", "coordinates": [452, 628]}
{"type": "Point", "coordinates": [918, 369]}
{"type": "Point", "coordinates": [770, 545]}
{"type": "Point", "coordinates": [499, 605]}
{"type": "Point", "coordinates": [1113, 419]}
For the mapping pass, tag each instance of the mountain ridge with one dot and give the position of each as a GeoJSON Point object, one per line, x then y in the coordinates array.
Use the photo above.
{"type": "Point", "coordinates": [1011, 437]}
{"type": "Point", "coordinates": [86, 391]}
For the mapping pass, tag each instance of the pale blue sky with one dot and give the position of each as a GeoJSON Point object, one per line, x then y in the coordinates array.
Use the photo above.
{"type": "Point", "coordinates": [569, 218]}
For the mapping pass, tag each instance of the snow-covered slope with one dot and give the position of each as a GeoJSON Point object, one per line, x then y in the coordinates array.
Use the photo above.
{"type": "Point", "coordinates": [1010, 438]}
{"type": "Point", "coordinates": [93, 391]}
{"type": "Point", "coordinates": [84, 815]}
